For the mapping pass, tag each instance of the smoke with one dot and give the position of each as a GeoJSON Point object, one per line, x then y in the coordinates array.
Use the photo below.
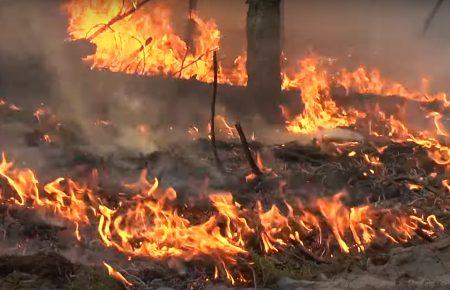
{"type": "Point", "coordinates": [384, 34]}
{"type": "Point", "coordinates": [38, 63]}
{"type": "Point", "coordinates": [379, 33]}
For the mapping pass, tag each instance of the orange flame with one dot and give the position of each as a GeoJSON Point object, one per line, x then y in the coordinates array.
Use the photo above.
{"type": "Point", "coordinates": [351, 227]}
{"type": "Point", "coordinates": [320, 111]}
{"type": "Point", "coordinates": [63, 197]}
{"type": "Point", "coordinates": [150, 224]}
{"type": "Point", "coordinates": [144, 41]}
{"type": "Point", "coordinates": [371, 82]}
{"type": "Point", "coordinates": [117, 275]}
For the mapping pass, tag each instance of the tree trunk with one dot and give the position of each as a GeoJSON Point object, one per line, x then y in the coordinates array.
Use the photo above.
{"type": "Point", "coordinates": [264, 55]}
{"type": "Point", "coordinates": [282, 23]}
{"type": "Point", "coordinates": [191, 26]}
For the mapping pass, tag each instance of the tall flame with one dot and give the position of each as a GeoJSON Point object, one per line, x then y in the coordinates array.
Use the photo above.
{"type": "Point", "coordinates": [138, 38]}
{"type": "Point", "coordinates": [320, 111]}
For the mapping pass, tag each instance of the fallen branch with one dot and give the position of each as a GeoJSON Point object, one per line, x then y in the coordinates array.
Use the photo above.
{"type": "Point", "coordinates": [309, 254]}
{"type": "Point", "coordinates": [213, 114]}
{"type": "Point", "coordinates": [117, 19]}
{"type": "Point", "coordinates": [255, 169]}
{"type": "Point", "coordinates": [423, 235]}
{"type": "Point", "coordinates": [137, 52]}
{"type": "Point", "coordinates": [192, 62]}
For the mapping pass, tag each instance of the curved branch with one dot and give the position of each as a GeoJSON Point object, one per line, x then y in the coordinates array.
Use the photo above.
{"type": "Point", "coordinates": [117, 19]}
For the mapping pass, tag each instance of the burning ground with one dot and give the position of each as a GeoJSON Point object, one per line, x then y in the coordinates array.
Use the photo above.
{"type": "Point", "coordinates": [270, 226]}
{"type": "Point", "coordinates": [348, 192]}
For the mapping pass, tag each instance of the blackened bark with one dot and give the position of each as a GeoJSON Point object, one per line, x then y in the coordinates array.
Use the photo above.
{"type": "Point", "coordinates": [191, 26]}
{"type": "Point", "coordinates": [264, 55]}
{"type": "Point", "coordinates": [282, 24]}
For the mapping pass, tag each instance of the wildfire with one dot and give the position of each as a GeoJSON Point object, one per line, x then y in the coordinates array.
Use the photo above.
{"type": "Point", "coordinates": [138, 38]}
{"type": "Point", "coordinates": [366, 81]}
{"type": "Point", "coordinates": [151, 227]}
{"type": "Point", "coordinates": [62, 197]}
{"type": "Point", "coordinates": [135, 38]}
{"type": "Point", "coordinates": [320, 111]}
{"type": "Point", "coordinates": [150, 224]}
{"type": "Point", "coordinates": [353, 228]}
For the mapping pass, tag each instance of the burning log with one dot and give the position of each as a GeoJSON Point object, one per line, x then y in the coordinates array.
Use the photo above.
{"type": "Point", "coordinates": [309, 254]}
{"type": "Point", "coordinates": [264, 54]}
{"type": "Point", "coordinates": [248, 154]}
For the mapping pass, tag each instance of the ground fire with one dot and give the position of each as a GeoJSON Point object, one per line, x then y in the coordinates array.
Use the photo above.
{"type": "Point", "coordinates": [297, 173]}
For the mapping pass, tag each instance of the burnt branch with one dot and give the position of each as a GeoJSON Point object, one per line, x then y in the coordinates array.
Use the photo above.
{"type": "Point", "coordinates": [192, 25]}
{"type": "Point", "coordinates": [309, 254]}
{"type": "Point", "coordinates": [213, 113]}
{"type": "Point", "coordinates": [248, 154]}
{"type": "Point", "coordinates": [192, 62]}
{"type": "Point", "coordinates": [430, 17]}
{"type": "Point", "coordinates": [117, 19]}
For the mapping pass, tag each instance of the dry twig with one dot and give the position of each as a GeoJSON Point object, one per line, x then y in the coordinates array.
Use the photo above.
{"type": "Point", "coordinates": [248, 154]}
{"type": "Point", "coordinates": [117, 18]}
{"type": "Point", "coordinates": [213, 114]}
{"type": "Point", "coordinates": [431, 16]}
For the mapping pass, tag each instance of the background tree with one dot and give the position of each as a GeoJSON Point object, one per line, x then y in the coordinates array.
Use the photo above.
{"type": "Point", "coordinates": [191, 26]}
{"type": "Point", "coordinates": [264, 55]}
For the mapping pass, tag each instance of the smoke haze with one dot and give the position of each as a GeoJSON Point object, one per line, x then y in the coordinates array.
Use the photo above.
{"type": "Point", "coordinates": [37, 61]}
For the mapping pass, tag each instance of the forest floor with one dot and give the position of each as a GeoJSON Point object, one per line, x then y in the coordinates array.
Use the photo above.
{"type": "Point", "coordinates": [37, 253]}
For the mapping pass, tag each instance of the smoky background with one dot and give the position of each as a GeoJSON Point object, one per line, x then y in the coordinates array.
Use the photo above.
{"type": "Point", "coordinates": [386, 34]}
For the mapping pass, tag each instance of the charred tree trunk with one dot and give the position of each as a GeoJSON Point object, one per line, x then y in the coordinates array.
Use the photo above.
{"type": "Point", "coordinates": [191, 26]}
{"type": "Point", "coordinates": [282, 23]}
{"type": "Point", "coordinates": [264, 55]}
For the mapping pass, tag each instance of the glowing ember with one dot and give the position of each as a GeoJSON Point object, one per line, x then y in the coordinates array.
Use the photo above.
{"type": "Point", "coordinates": [117, 275]}
{"type": "Point", "coordinates": [224, 128]}
{"type": "Point", "coordinates": [194, 132]}
{"type": "Point", "coordinates": [10, 106]}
